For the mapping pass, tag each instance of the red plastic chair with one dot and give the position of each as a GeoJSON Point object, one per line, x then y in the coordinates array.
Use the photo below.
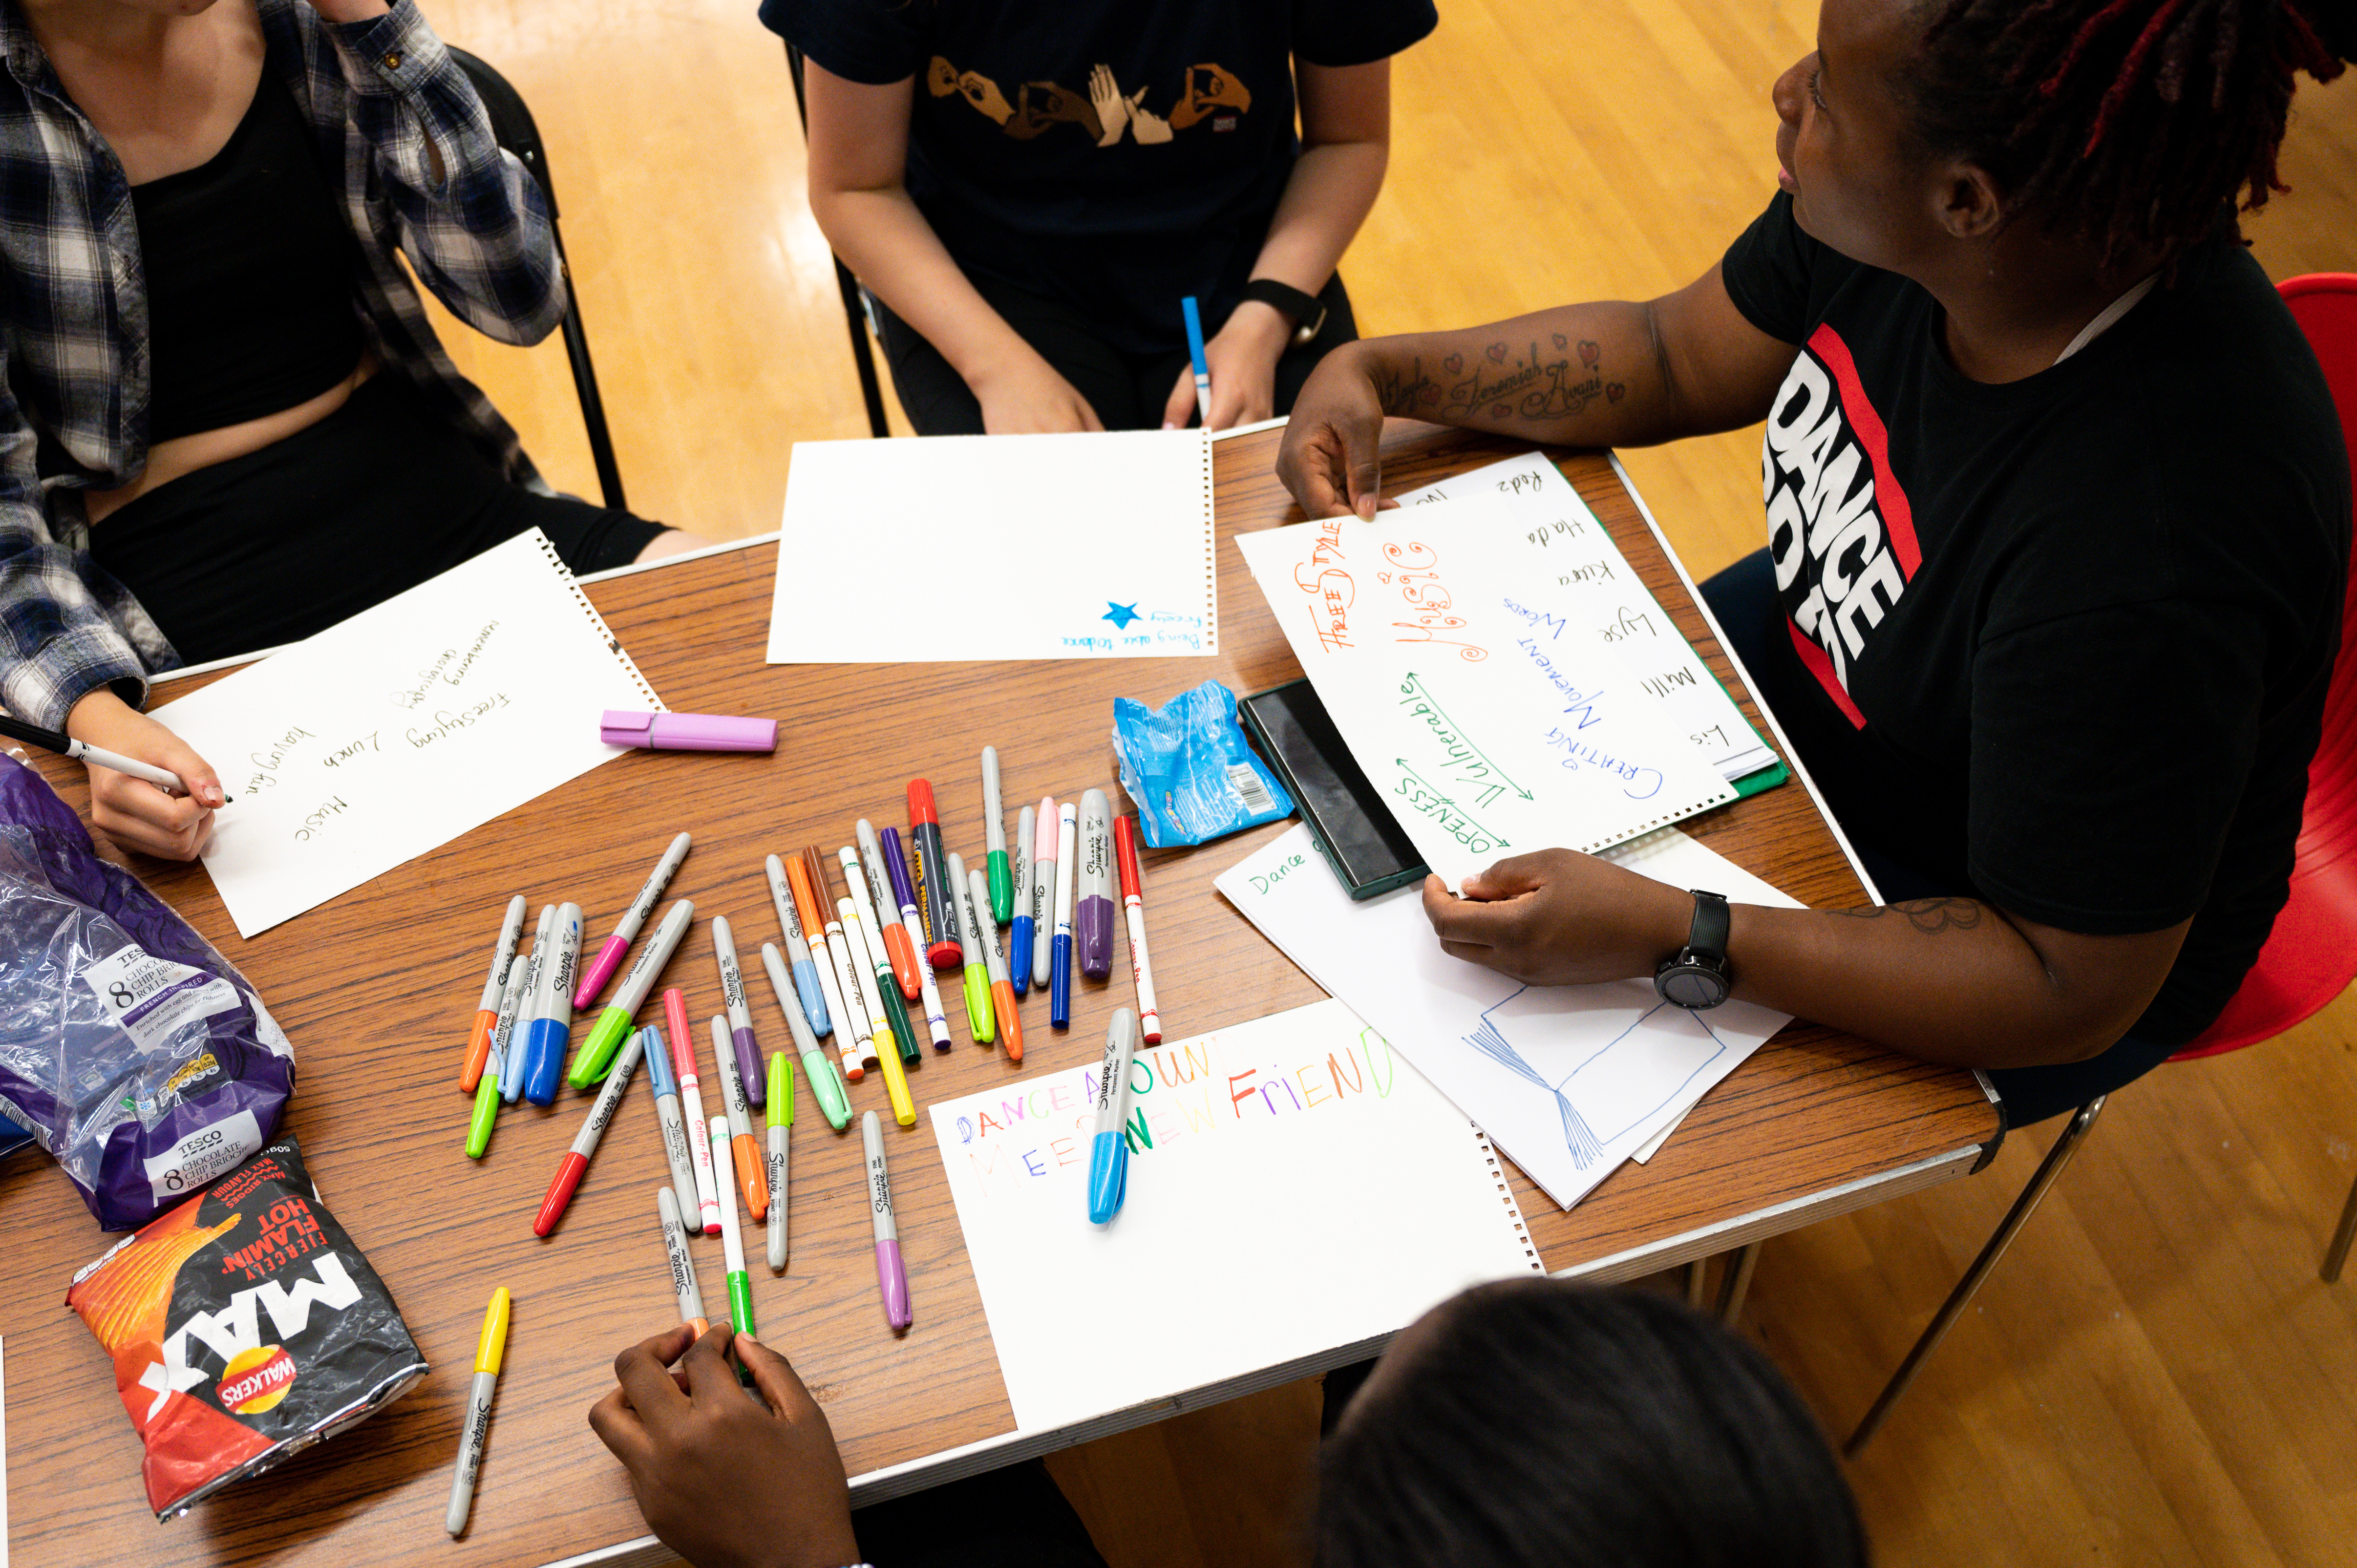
{"type": "Point", "coordinates": [2310, 956]}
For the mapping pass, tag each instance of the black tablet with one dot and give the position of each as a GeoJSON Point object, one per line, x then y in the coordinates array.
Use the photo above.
{"type": "Point", "coordinates": [1354, 828]}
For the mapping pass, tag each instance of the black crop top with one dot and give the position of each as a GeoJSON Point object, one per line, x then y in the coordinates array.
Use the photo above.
{"type": "Point", "coordinates": [249, 263]}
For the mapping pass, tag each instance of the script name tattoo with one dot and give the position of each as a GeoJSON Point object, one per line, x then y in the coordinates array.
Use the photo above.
{"type": "Point", "coordinates": [1929, 915]}
{"type": "Point", "coordinates": [1542, 380]}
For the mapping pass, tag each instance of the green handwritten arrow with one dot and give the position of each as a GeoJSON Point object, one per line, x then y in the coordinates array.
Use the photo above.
{"type": "Point", "coordinates": [1427, 691]}
{"type": "Point", "coordinates": [1448, 800]}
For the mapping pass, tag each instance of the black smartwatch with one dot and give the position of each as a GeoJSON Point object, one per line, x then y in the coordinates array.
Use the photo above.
{"type": "Point", "coordinates": [1305, 311]}
{"type": "Point", "coordinates": [1696, 976]}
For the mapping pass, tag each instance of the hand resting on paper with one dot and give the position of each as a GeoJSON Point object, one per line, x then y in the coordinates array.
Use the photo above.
{"type": "Point", "coordinates": [728, 1476]}
{"type": "Point", "coordinates": [1023, 394]}
{"type": "Point", "coordinates": [1242, 357]}
{"type": "Point", "coordinates": [133, 812]}
{"type": "Point", "coordinates": [1559, 918]}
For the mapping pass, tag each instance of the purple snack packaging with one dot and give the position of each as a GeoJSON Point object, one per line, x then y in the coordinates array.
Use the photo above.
{"type": "Point", "coordinates": [133, 1053]}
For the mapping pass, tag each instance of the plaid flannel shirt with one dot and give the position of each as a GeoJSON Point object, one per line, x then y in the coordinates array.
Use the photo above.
{"type": "Point", "coordinates": [389, 111]}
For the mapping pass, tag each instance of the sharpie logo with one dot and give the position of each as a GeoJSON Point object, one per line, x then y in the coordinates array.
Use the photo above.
{"type": "Point", "coordinates": [880, 1186]}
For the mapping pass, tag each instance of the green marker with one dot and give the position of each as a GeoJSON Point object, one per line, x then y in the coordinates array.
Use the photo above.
{"type": "Point", "coordinates": [818, 1067]}
{"type": "Point", "coordinates": [781, 1116]}
{"type": "Point", "coordinates": [732, 1242]}
{"type": "Point", "coordinates": [614, 1025]}
{"type": "Point", "coordinates": [971, 894]}
{"type": "Point", "coordinates": [495, 1062]}
{"type": "Point", "coordinates": [994, 827]}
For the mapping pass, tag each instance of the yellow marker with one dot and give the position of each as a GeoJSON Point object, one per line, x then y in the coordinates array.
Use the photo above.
{"type": "Point", "coordinates": [487, 1351]}
{"type": "Point", "coordinates": [863, 982]}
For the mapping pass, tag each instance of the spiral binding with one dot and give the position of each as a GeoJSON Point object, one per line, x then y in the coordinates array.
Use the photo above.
{"type": "Point", "coordinates": [598, 624]}
{"type": "Point", "coordinates": [1210, 556]}
{"type": "Point", "coordinates": [1506, 1196]}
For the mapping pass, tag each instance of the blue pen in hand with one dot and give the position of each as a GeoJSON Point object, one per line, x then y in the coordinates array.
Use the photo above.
{"type": "Point", "coordinates": [1202, 365]}
{"type": "Point", "coordinates": [1108, 1148]}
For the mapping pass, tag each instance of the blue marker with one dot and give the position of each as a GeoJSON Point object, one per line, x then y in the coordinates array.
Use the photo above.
{"type": "Point", "coordinates": [1202, 366]}
{"type": "Point", "coordinates": [797, 953]}
{"type": "Point", "coordinates": [1109, 1149]}
{"type": "Point", "coordinates": [515, 1030]}
{"type": "Point", "coordinates": [552, 1027]}
{"type": "Point", "coordinates": [1018, 942]}
{"type": "Point", "coordinates": [1060, 966]}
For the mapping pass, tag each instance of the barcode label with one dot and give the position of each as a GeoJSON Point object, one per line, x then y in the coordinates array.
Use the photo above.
{"type": "Point", "coordinates": [1249, 789]}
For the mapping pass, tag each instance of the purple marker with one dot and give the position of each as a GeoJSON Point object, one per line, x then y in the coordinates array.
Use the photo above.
{"type": "Point", "coordinates": [1093, 919]}
{"type": "Point", "coordinates": [912, 921]}
{"type": "Point", "coordinates": [891, 1274]}
{"type": "Point", "coordinates": [740, 1016]}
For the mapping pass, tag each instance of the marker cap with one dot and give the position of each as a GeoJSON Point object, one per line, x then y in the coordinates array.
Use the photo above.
{"type": "Point", "coordinates": [686, 732]}
{"type": "Point", "coordinates": [560, 1192]}
{"type": "Point", "coordinates": [1108, 1176]}
{"type": "Point", "coordinates": [921, 802]}
{"type": "Point", "coordinates": [493, 1344]}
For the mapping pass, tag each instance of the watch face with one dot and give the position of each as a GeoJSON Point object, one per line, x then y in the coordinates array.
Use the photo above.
{"type": "Point", "coordinates": [1692, 987]}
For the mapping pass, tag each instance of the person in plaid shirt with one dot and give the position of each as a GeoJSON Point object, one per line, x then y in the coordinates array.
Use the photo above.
{"type": "Point", "coordinates": [226, 422]}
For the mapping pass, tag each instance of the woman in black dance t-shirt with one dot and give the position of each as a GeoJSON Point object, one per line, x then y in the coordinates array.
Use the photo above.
{"type": "Point", "coordinates": [2058, 527]}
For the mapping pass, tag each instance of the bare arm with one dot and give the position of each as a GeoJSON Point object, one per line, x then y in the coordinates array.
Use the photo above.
{"type": "Point", "coordinates": [1610, 373]}
{"type": "Point", "coordinates": [1945, 980]}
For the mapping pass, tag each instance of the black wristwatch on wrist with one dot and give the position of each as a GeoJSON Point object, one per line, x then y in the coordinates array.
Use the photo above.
{"type": "Point", "coordinates": [1696, 976]}
{"type": "Point", "coordinates": [1305, 311]}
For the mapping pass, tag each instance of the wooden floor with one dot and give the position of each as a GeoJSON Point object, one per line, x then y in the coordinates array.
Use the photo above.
{"type": "Point", "coordinates": [2155, 1376]}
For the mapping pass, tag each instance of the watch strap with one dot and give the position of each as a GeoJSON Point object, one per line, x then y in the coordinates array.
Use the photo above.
{"type": "Point", "coordinates": [1712, 920]}
{"type": "Point", "coordinates": [1305, 311]}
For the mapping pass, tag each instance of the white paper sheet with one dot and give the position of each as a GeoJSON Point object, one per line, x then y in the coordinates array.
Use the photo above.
{"type": "Point", "coordinates": [1488, 734]}
{"type": "Point", "coordinates": [392, 732]}
{"type": "Point", "coordinates": [1570, 566]}
{"type": "Point", "coordinates": [1296, 1187]}
{"type": "Point", "coordinates": [953, 547]}
{"type": "Point", "coordinates": [1569, 1080]}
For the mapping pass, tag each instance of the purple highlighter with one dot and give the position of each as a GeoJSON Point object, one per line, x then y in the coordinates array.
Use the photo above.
{"type": "Point", "coordinates": [686, 732]}
{"type": "Point", "coordinates": [1093, 919]}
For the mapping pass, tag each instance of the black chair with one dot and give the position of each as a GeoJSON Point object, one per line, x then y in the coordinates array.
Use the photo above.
{"type": "Point", "coordinates": [512, 128]}
{"type": "Point", "coordinates": [854, 302]}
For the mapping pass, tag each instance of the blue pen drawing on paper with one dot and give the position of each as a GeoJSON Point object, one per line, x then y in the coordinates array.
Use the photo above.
{"type": "Point", "coordinates": [1120, 615]}
{"type": "Point", "coordinates": [1610, 1089]}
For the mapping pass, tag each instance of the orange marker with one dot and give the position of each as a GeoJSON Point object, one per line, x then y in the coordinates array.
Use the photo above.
{"type": "Point", "coordinates": [1002, 989]}
{"type": "Point", "coordinates": [486, 1012]}
{"type": "Point", "coordinates": [752, 1165]}
{"type": "Point", "coordinates": [830, 959]}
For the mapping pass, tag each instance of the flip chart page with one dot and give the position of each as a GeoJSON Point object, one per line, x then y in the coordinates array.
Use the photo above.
{"type": "Point", "coordinates": [1491, 732]}
{"type": "Point", "coordinates": [1095, 545]}
{"type": "Point", "coordinates": [392, 733]}
{"type": "Point", "coordinates": [1570, 1080]}
{"type": "Point", "coordinates": [1569, 566]}
{"type": "Point", "coordinates": [1296, 1186]}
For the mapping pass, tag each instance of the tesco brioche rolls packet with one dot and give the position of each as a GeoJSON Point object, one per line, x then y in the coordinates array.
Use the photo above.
{"type": "Point", "coordinates": [244, 1327]}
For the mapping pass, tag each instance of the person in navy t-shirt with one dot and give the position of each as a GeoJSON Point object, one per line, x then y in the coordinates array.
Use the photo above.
{"type": "Point", "coordinates": [1029, 190]}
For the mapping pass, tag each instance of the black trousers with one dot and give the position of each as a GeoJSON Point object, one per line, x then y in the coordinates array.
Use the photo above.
{"type": "Point", "coordinates": [1127, 390]}
{"type": "Point", "coordinates": [1743, 597]}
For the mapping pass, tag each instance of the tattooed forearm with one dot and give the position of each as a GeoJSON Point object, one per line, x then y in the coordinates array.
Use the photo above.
{"type": "Point", "coordinates": [1407, 392]}
{"type": "Point", "coordinates": [1547, 381]}
{"type": "Point", "coordinates": [1929, 915]}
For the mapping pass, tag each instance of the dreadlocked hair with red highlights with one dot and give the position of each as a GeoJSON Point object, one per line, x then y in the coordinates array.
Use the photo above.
{"type": "Point", "coordinates": [2137, 123]}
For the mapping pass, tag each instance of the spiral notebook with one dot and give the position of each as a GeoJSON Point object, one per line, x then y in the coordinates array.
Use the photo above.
{"type": "Point", "coordinates": [1296, 1191]}
{"type": "Point", "coordinates": [391, 733]}
{"type": "Point", "coordinates": [1491, 725]}
{"type": "Point", "coordinates": [967, 547]}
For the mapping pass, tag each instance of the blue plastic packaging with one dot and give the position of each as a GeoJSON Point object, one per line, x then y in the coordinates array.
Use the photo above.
{"type": "Point", "coordinates": [1189, 769]}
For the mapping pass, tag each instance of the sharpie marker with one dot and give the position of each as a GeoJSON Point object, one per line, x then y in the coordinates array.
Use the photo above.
{"type": "Point", "coordinates": [744, 1153]}
{"type": "Point", "coordinates": [488, 1350]}
{"type": "Point", "coordinates": [527, 1008]}
{"type": "Point", "coordinates": [609, 957]}
{"type": "Point", "coordinates": [978, 1015]}
{"type": "Point", "coordinates": [790, 923]}
{"type": "Point", "coordinates": [829, 1017]}
{"type": "Point", "coordinates": [937, 1020]}
{"type": "Point", "coordinates": [486, 1012]}
{"type": "Point", "coordinates": [1093, 915]}
{"type": "Point", "coordinates": [596, 1054]}
{"type": "Point", "coordinates": [826, 1085]}
{"type": "Point", "coordinates": [682, 1261]}
{"type": "Point", "coordinates": [891, 1274]}
{"type": "Point", "coordinates": [1043, 893]}
{"type": "Point", "coordinates": [1018, 956]}
{"type": "Point", "coordinates": [732, 1242]}
{"type": "Point", "coordinates": [1059, 977]}
{"type": "Point", "coordinates": [1002, 990]}
{"type": "Point", "coordinates": [690, 1103]}
{"type": "Point", "coordinates": [898, 945]}
{"type": "Point", "coordinates": [552, 1031]}
{"type": "Point", "coordinates": [1133, 901]}
{"type": "Point", "coordinates": [668, 1116]}
{"type": "Point", "coordinates": [585, 1142]}
{"type": "Point", "coordinates": [874, 980]}
{"type": "Point", "coordinates": [781, 1118]}
{"type": "Point", "coordinates": [1109, 1149]}
{"type": "Point", "coordinates": [940, 903]}
{"type": "Point", "coordinates": [740, 1014]}
{"type": "Point", "coordinates": [879, 957]}
{"type": "Point", "coordinates": [495, 1066]}
{"type": "Point", "coordinates": [994, 836]}
{"type": "Point", "coordinates": [851, 1044]}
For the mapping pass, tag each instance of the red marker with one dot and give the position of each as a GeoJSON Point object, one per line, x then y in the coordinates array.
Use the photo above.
{"type": "Point", "coordinates": [940, 904]}
{"type": "Point", "coordinates": [585, 1142]}
{"type": "Point", "coordinates": [1133, 899]}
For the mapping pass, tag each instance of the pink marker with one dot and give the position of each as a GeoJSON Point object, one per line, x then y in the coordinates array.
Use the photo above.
{"type": "Point", "coordinates": [691, 1098]}
{"type": "Point", "coordinates": [609, 957]}
{"type": "Point", "coordinates": [1043, 892]}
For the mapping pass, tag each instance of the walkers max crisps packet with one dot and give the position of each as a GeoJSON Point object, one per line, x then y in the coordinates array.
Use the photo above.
{"type": "Point", "coordinates": [244, 1327]}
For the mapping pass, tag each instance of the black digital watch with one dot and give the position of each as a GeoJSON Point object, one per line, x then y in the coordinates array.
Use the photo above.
{"type": "Point", "coordinates": [1696, 976]}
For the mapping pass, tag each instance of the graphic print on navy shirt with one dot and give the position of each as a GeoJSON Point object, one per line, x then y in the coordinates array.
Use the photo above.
{"type": "Point", "coordinates": [1840, 528]}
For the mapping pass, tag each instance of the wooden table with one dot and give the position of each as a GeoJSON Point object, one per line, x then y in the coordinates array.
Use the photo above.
{"type": "Point", "coordinates": [376, 989]}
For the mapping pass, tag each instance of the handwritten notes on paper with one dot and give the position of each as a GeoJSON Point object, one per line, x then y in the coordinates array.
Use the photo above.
{"type": "Point", "coordinates": [1574, 580]}
{"type": "Point", "coordinates": [1569, 1080]}
{"type": "Point", "coordinates": [1294, 1187]}
{"type": "Point", "coordinates": [1074, 546]}
{"type": "Point", "coordinates": [394, 732]}
{"type": "Point", "coordinates": [1491, 733]}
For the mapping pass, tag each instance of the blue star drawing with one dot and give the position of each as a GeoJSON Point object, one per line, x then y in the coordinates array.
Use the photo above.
{"type": "Point", "coordinates": [1120, 614]}
{"type": "Point", "coordinates": [1617, 1093]}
